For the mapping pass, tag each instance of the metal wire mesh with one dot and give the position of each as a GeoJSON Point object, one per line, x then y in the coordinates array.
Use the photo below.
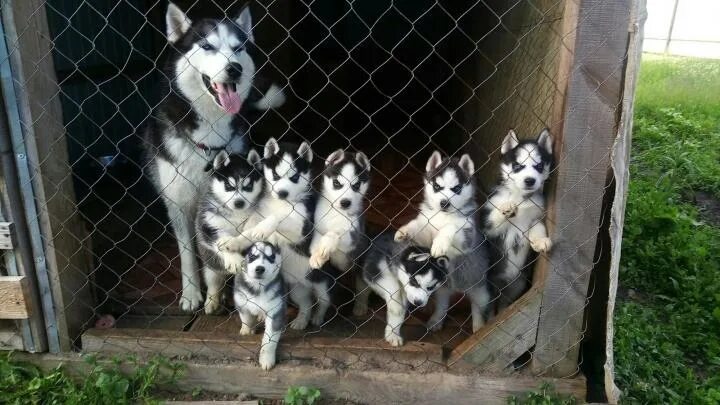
{"type": "Point", "coordinates": [395, 80]}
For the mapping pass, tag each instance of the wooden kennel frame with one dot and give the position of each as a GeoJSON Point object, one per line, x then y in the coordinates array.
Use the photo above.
{"type": "Point", "coordinates": [583, 91]}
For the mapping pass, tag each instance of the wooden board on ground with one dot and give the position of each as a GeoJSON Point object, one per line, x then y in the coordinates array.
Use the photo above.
{"type": "Point", "coordinates": [13, 293]}
{"type": "Point", "coordinates": [495, 347]}
{"type": "Point", "coordinates": [365, 386]}
{"type": "Point", "coordinates": [350, 351]}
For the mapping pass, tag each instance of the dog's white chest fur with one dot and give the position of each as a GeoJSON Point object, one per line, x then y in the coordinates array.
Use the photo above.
{"type": "Point", "coordinates": [329, 219]}
{"type": "Point", "coordinates": [258, 304]}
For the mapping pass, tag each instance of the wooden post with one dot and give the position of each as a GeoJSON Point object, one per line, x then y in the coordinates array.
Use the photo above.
{"type": "Point", "coordinates": [63, 234]}
{"type": "Point", "coordinates": [589, 129]}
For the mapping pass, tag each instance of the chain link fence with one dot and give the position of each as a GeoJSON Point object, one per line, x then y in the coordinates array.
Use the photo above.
{"type": "Point", "coordinates": [394, 80]}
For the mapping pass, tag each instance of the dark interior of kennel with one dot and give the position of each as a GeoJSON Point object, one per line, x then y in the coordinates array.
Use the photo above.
{"type": "Point", "coordinates": [393, 79]}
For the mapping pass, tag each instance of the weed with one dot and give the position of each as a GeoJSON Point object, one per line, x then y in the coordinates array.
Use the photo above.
{"type": "Point", "coordinates": [302, 396]}
{"type": "Point", "coordinates": [545, 395]}
{"type": "Point", "coordinates": [22, 383]}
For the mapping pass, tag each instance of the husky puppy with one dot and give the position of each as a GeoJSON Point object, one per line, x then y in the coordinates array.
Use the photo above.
{"type": "Point", "coordinates": [514, 212]}
{"type": "Point", "coordinates": [259, 295]}
{"type": "Point", "coordinates": [285, 219]}
{"type": "Point", "coordinates": [405, 274]}
{"type": "Point", "coordinates": [211, 85]}
{"type": "Point", "coordinates": [236, 185]}
{"type": "Point", "coordinates": [339, 222]}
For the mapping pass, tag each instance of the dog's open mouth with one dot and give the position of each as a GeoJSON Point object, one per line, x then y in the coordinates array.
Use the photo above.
{"type": "Point", "coordinates": [224, 94]}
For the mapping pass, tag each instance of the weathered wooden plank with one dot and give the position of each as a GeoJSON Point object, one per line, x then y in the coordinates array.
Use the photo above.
{"type": "Point", "coordinates": [620, 165]}
{"type": "Point", "coordinates": [13, 302]}
{"type": "Point", "coordinates": [364, 386]}
{"type": "Point", "coordinates": [591, 108]}
{"type": "Point", "coordinates": [7, 236]}
{"type": "Point", "coordinates": [504, 339]}
{"type": "Point", "coordinates": [37, 90]}
{"type": "Point", "coordinates": [233, 346]}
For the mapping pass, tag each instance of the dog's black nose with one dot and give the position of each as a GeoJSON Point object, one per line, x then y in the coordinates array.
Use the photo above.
{"type": "Point", "coordinates": [282, 194]}
{"type": "Point", "coordinates": [345, 203]}
{"type": "Point", "coordinates": [259, 270]}
{"type": "Point", "coordinates": [444, 204]}
{"type": "Point", "coordinates": [418, 303]}
{"type": "Point", "coordinates": [239, 204]}
{"type": "Point", "coordinates": [529, 181]}
{"type": "Point", "coordinates": [234, 71]}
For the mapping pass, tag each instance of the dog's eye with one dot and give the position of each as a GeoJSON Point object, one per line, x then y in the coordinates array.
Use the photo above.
{"type": "Point", "coordinates": [457, 189]}
{"type": "Point", "coordinates": [295, 177]}
{"type": "Point", "coordinates": [433, 286]}
{"type": "Point", "coordinates": [436, 187]}
{"type": "Point", "coordinates": [271, 258]}
{"type": "Point", "coordinates": [413, 283]}
{"type": "Point", "coordinates": [356, 186]}
{"type": "Point", "coordinates": [229, 187]}
{"type": "Point", "coordinates": [238, 48]}
{"type": "Point", "coordinates": [336, 184]}
{"type": "Point", "coordinates": [516, 167]}
{"type": "Point", "coordinates": [251, 257]}
{"type": "Point", "coordinates": [540, 167]}
{"type": "Point", "coordinates": [206, 46]}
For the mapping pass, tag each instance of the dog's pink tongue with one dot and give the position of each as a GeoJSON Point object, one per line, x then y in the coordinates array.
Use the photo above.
{"type": "Point", "coordinates": [229, 98]}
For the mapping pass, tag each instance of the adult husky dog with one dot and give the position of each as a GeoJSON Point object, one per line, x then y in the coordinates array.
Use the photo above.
{"type": "Point", "coordinates": [513, 215]}
{"type": "Point", "coordinates": [210, 74]}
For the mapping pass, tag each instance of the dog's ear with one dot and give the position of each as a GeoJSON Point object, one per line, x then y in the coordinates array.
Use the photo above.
{"type": "Point", "coordinates": [418, 256]}
{"type": "Point", "coordinates": [271, 148]}
{"type": "Point", "coordinates": [443, 262]}
{"type": "Point", "coordinates": [253, 157]}
{"type": "Point", "coordinates": [334, 157]}
{"type": "Point", "coordinates": [244, 21]}
{"type": "Point", "coordinates": [305, 152]}
{"type": "Point", "coordinates": [177, 23]}
{"type": "Point", "coordinates": [363, 161]}
{"type": "Point", "coordinates": [545, 140]}
{"type": "Point", "coordinates": [510, 142]}
{"type": "Point", "coordinates": [434, 162]}
{"type": "Point", "coordinates": [467, 165]}
{"type": "Point", "coordinates": [221, 160]}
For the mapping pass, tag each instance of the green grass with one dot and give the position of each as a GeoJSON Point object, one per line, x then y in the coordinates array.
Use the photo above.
{"type": "Point", "coordinates": [667, 341]}
{"type": "Point", "coordinates": [22, 383]}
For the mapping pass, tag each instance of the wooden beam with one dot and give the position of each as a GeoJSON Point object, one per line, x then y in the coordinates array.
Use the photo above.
{"type": "Point", "coordinates": [13, 293]}
{"type": "Point", "coordinates": [233, 346]}
{"type": "Point", "coordinates": [63, 233]}
{"type": "Point", "coordinates": [496, 346]}
{"type": "Point", "coordinates": [364, 386]}
{"type": "Point", "coordinates": [7, 236]}
{"type": "Point", "coordinates": [589, 129]}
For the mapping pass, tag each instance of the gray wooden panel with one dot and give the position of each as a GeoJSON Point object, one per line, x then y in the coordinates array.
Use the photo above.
{"type": "Point", "coordinates": [592, 107]}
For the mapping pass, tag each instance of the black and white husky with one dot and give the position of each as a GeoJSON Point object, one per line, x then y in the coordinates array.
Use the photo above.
{"type": "Point", "coordinates": [447, 222]}
{"type": "Point", "coordinates": [339, 221]}
{"type": "Point", "coordinates": [514, 214]}
{"type": "Point", "coordinates": [236, 186]}
{"type": "Point", "coordinates": [285, 219]}
{"type": "Point", "coordinates": [210, 77]}
{"type": "Point", "coordinates": [259, 295]}
{"type": "Point", "coordinates": [404, 274]}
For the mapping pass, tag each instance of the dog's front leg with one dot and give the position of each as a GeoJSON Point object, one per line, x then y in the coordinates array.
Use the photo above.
{"type": "Point", "coordinates": [264, 229]}
{"type": "Point", "coordinates": [410, 230]}
{"type": "Point", "coordinates": [539, 240]}
{"type": "Point", "coordinates": [271, 337]}
{"type": "Point", "coordinates": [248, 320]}
{"type": "Point", "coordinates": [442, 303]}
{"type": "Point", "coordinates": [327, 245]}
{"type": "Point", "coordinates": [442, 244]}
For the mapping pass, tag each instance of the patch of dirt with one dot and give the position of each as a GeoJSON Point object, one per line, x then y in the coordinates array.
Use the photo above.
{"type": "Point", "coordinates": [216, 396]}
{"type": "Point", "coordinates": [709, 207]}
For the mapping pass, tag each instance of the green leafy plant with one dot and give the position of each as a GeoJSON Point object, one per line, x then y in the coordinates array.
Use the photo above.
{"type": "Point", "coordinates": [302, 395]}
{"type": "Point", "coordinates": [545, 395]}
{"type": "Point", "coordinates": [22, 383]}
